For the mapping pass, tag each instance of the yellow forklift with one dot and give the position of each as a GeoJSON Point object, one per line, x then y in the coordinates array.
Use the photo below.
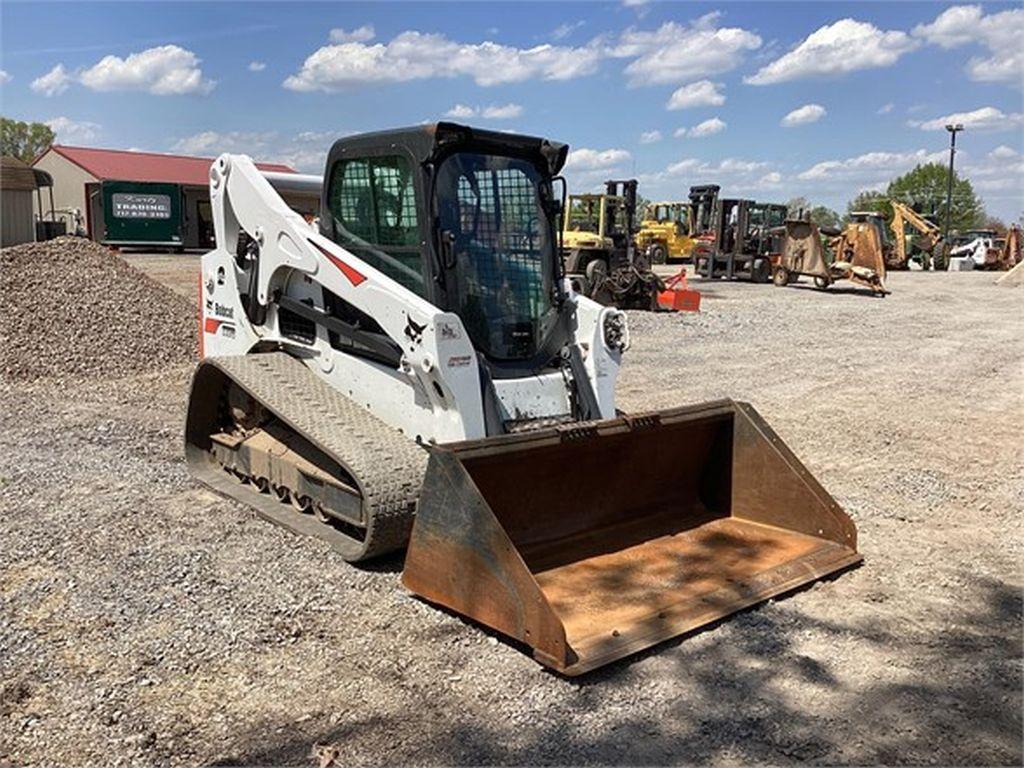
{"type": "Point", "coordinates": [664, 233]}
{"type": "Point", "coordinates": [598, 252]}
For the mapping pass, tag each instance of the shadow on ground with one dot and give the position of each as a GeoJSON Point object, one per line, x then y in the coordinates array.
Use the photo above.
{"type": "Point", "coordinates": [957, 703]}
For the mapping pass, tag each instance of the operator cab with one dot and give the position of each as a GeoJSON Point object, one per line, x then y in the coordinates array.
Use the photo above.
{"type": "Point", "coordinates": [465, 218]}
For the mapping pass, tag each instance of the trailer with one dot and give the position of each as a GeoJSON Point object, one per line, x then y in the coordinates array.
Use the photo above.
{"type": "Point", "coordinates": [148, 214]}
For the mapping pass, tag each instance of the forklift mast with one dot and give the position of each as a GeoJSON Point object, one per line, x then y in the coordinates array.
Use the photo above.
{"type": "Point", "coordinates": [702, 207]}
{"type": "Point", "coordinates": [625, 189]}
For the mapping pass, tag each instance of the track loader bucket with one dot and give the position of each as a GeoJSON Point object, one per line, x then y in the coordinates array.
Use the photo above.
{"type": "Point", "coordinates": [592, 541]}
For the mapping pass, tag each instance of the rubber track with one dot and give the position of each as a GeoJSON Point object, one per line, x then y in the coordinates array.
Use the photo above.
{"type": "Point", "coordinates": [387, 466]}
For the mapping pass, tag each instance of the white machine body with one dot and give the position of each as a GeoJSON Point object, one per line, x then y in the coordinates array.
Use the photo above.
{"type": "Point", "coordinates": [435, 394]}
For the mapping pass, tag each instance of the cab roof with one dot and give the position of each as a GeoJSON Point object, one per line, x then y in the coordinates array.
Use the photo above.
{"type": "Point", "coordinates": [434, 141]}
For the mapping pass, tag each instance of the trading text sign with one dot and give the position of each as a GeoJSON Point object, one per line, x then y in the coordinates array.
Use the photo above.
{"type": "Point", "coordinates": [129, 205]}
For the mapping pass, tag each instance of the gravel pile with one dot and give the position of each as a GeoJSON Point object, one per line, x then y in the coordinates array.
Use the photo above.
{"type": "Point", "coordinates": [72, 309]}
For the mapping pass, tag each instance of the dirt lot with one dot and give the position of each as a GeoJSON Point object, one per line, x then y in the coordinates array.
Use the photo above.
{"type": "Point", "coordinates": [145, 621]}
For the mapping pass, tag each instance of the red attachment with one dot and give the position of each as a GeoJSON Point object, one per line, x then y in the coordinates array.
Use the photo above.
{"type": "Point", "coordinates": [677, 296]}
{"type": "Point", "coordinates": [351, 273]}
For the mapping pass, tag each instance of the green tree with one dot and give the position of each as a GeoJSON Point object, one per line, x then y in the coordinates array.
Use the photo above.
{"type": "Point", "coordinates": [924, 189]}
{"type": "Point", "coordinates": [25, 141]}
{"type": "Point", "coordinates": [824, 216]}
{"type": "Point", "coordinates": [871, 200]}
{"type": "Point", "coordinates": [821, 215]}
{"type": "Point", "coordinates": [996, 224]}
{"type": "Point", "coordinates": [642, 204]}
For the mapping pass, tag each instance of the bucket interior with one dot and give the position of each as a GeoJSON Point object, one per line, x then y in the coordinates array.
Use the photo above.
{"type": "Point", "coordinates": [642, 525]}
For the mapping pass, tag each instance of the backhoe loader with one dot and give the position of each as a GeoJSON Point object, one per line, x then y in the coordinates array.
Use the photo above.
{"type": "Point", "coordinates": [414, 371]}
{"type": "Point", "coordinates": [929, 242]}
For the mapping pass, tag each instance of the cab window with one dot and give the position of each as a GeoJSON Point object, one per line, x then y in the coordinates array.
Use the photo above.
{"type": "Point", "coordinates": [373, 204]}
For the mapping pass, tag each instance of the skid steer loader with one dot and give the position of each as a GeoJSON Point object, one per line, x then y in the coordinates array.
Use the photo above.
{"type": "Point", "coordinates": [414, 370]}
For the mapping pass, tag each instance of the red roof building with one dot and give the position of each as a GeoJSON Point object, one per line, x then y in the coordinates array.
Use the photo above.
{"type": "Point", "coordinates": [125, 165]}
{"type": "Point", "coordinates": [79, 174]}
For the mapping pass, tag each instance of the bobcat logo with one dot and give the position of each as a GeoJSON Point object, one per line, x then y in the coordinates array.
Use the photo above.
{"type": "Point", "coordinates": [414, 331]}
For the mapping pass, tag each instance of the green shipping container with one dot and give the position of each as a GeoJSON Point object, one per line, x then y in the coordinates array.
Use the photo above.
{"type": "Point", "coordinates": [142, 213]}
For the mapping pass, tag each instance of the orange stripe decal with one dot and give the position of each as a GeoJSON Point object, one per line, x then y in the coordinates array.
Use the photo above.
{"type": "Point", "coordinates": [211, 325]}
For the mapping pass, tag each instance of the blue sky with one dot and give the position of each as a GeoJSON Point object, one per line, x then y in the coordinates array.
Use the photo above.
{"type": "Point", "coordinates": [673, 93]}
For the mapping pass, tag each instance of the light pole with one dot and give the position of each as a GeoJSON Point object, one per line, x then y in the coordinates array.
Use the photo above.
{"type": "Point", "coordinates": [953, 129]}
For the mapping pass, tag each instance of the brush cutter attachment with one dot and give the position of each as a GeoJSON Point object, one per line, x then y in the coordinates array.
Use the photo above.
{"type": "Point", "coordinates": [592, 541]}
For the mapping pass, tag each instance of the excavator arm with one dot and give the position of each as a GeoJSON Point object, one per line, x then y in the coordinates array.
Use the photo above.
{"type": "Point", "coordinates": [902, 216]}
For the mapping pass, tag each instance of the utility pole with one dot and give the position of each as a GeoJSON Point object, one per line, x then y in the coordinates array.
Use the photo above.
{"type": "Point", "coordinates": [953, 129]}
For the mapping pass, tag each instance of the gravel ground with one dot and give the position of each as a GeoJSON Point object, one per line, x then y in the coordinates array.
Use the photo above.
{"type": "Point", "coordinates": [145, 621]}
{"type": "Point", "coordinates": [73, 309]}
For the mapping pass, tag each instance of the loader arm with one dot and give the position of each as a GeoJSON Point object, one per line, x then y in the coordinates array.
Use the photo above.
{"type": "Point", "coordinates": [428, 339]}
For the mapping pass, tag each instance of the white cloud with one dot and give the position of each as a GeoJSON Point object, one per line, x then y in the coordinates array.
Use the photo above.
{"type": "Point", "coordinates": [676, 53]}
{"type": "Point", "coordinates": [419, 56]}
{"type": "Point", "coordinates": [885, 109]}
{"type": "Point", "coordinates": [650, 137]}
{"type": "Point", "coordinates": [585, 159]}
{"type": "Point", "coordinates": [53, 83]}
{"type": "Point", "coordinates": [307, 151]}
{"type": "Point", "coordinates": [1002, 152]}
{"type": "Point", "coordinates": [461, 112]}
{"type": "Point", "coordinates": [984, 119]}
{"type": "Point", "coordinates": [953, 27]}
{"type": "Point", "coordinates": [304, 151]}
{"type": "Point", "coordinates": [492, 112]}
{"type": "Point", "coordinates": [730, 166]}
{"type": "Point", "coordinates": [998, 176]}
{"type": "Point", "coordinates": [257, 66]}
{"type": "Point", "coordinates": [1000, 33]}
{"type": "Point", "coordinates": [703, 93]}
{"type": "Point", "coordinates": [808, 113]}
{"type": "Point", "coordinates": [4, 77]}
{"type": "Point", "coordinates": [707, 128]}
{"type": "Point", "coordinates": [672, 53]}
{"type": "Point", "coordinates": [501, 112]}
{"type": "Point", "coordinates": [564, 30]}
{"type": "Point", "coordinates": [362, 34]}
{"type": "Point", "coordinates": [164, 70]}
{"type": "Point", "coordinates": [640, 7]}
{"type": "Point", "coordinates": [869, 166]}
{"type": "Point", "coordinates": [215, 143]}
{"type": "Point", "coordinates": [834, 49]}
{"type": "Point", "coordinates": [68, 130]}
{"type": "Point", "coordinates": [736, 175]}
